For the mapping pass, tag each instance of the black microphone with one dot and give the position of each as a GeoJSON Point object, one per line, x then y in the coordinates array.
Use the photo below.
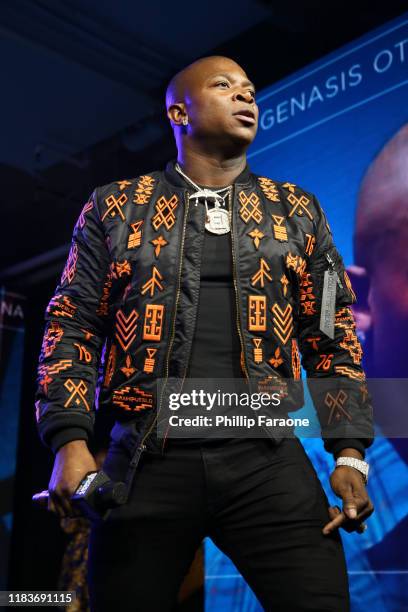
{"type": "Point", "coordinates": [95, 496]}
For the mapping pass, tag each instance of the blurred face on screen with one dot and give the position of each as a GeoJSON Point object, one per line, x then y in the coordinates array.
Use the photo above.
{"type": "Point", "coordinates": [218, 99]}
{"type": "Point", "coordinates": [382, 249]}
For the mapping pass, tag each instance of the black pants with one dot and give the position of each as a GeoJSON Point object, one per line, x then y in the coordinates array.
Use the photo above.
{"type": "Point", "coordinates": [261, 504]}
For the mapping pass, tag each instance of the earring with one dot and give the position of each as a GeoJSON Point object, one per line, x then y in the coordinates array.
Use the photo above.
{"type": "Point", "coordinates": [185, 121]}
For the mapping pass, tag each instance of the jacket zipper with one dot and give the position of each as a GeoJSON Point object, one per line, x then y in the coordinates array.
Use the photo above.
{"type": "Point", "coordinates": [237, 304]}
{"type": "Point", "coordinates": [187, 204]}
{"type": "Point", "coordinates": [189, 353]}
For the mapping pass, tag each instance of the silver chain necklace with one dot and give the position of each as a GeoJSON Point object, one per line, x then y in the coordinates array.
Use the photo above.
{"type": "Point", "coordinates": [217, 218]}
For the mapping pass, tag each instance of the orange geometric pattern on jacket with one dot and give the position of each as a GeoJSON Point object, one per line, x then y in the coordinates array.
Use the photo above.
{"type": "Point", "coordinates": [78, 392]}
{"type": "Point", "coordinates": [126, 328]}
{"type": "Point", "coordinates": [120, 268]}
{"type": "Point", "coordinates": [296, 263]}
{"type": "Point", "coordinates": [70, 267]}
{"type": "Point", "coordinates": [345, 320]}
{"type": "Point", "coordinates": [45, 372]}
{"type": "Point", "coordinates": [307, 298]}
{"type": "Point", "coordinates": [256, 236]}
{"type": "Point", "coordinates": [132, 399]}
{"type": "Point", "coordinates": [123, 184]}
{"type": "Point", "coordinates": [310, 244]}
{"type": "Point", "coordinates": [61, 306]}
{"type": "Point", "coordinates": [290, 187]}
{"type": "Point", "coordinates": [144, 190]}
{"type": "Point", "coordinates": [352, 344]}
{"type": "Point", "coordinates": [257, 350]}
{"type": "Point", "coordinates": [283, 322]}
{"type": "Point", "coordinates": [158, 243]}
{"type": "Point", "coordinates": [250, 207]}
{"type": "Point", "coordinates": [88, 335]}
{"type": "Point", "coordinates": [150, 360]}
{"type": "Point", "coordinates": [81, 220]}
{"type": "Point", "coordinates": [110, 366]}
{"type": "Point", "coordinates": [336, 404]}
{"type": "Point", "coordinates": [135, 238]}
{"type": "Point", "coordinates": [103, 306]}
{"type": "Point", "coordinates": [314, 341]}
{"type": "Point", "coordinates": [165, 212]}
{"type": "Point", "coordinates": [284, 282]}
{"type": "Point", "coordinates": [295, 360]}
{"type": "Point", "coordinates": [261, 274]}
{"type": "Point", "coordinates": [349, 286]}
{"type": "Point", "coordinates": [269, 188]}
{"type": "Point", "coordinates": [128, 368]}
{"type": "Point", "coordinates": [279, 229]}
{"type": "Point", "coordinates": [276, 360]}
{"type": "Point", "coordinates": [51, 338]}
{"type": "Point", "coordinates": [349, 372]}
{"type": "Point", "coordinates": [325, 362]}
{"type": "Point", "coordinates": [153, 322]}
{"type": "Point", "coordinates": [114, 206]}
{"type": "Point", "coordinates": [257, 313]}
{"type": "Point", "coordinates": [153, 282]}
{"type": "Point", "coordinates": [299, 205]}
{"type": "Point", "coordinates": [83, 353]}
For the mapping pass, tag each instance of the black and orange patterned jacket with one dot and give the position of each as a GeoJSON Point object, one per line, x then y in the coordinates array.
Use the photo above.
{"type": "Point", "coordinates": [128, 296]}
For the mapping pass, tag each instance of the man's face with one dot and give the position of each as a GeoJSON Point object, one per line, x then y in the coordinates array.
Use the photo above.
{"type": "Point", "coordinates": [389, 286]}
{"type": "Point", "coordinates": [387, 267]}
{"type": "Point", "coordinates": [220, 103]}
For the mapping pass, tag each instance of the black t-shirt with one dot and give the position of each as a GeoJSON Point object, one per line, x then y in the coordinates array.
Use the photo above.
{"type": "Point", "coordinates": [216, 348]}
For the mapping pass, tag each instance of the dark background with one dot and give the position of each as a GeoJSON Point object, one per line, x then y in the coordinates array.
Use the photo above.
{"type": "Point", "coordinates": [82, 105]}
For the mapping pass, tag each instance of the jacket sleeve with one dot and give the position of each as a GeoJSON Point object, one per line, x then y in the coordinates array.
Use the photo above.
{"type": "Point", "coordinates": [74, 334]}
{"type": "Point", "coordinates": [335, 377]}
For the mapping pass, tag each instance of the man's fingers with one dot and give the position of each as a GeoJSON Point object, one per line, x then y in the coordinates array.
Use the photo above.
{"type": "Point", "coordinates": [66, 504]}
{"type": "Point", "coordinates": [334, 511]}
{"type": "Point", "coordinates": [51, 505]}
{"type": "Point", "coordinates": [350, 508]}
{"type": "Point", "coordinates": [335, 523]}
{"type": "Point", "coordinates": [357, 505]}
{"type": "Point", "coordinates": [64, 499]}
{"type": "Point", "coordinates": [54, 504]}
{"type": "Point", "coordinates": [339, 519]}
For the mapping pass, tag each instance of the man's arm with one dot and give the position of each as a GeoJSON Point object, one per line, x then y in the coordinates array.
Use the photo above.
{"type": "Point", "coordinates": [336, 378]}
{"type": "Point", "coordinates": [68, 366]}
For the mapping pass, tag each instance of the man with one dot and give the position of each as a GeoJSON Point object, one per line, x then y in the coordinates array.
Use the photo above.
{"type": "Point", "coordinates": [382, 261]}
{"type": "Point", "coordinates": [185, 283]}
{"type": "Point", "coordinates": [380, 246]}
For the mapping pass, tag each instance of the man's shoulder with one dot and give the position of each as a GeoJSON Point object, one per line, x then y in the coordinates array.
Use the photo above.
{"type": "Point", "coordinates": [273, 188]}
{"type": "Point", "coordinates": [139, 188]}
{"type": "Point", "coordinates": [299, 203]}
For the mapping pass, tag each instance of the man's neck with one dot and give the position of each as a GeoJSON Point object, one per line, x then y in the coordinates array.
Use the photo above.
{"type": "Point", "coordinates": [209, 170]}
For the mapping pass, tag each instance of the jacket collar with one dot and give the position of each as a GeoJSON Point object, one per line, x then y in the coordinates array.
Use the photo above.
{"type": "Point", "coordinates": [173, 177]}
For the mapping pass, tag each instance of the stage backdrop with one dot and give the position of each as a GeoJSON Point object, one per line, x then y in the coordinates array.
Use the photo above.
{"type": "Point", "coordinates": [11, 364]}
{"type": "Point", "coordinates": [321, 128]}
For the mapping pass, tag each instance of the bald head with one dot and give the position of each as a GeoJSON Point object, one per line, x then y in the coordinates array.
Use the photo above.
{"type": "Point", "coordinates": [211, 106]}
{"type": "Point", "coordinates": [194, 74]}
{"type": "Point", "coordinates": [383, 199]}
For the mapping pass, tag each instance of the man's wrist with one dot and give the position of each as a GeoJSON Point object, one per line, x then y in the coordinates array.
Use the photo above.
{"type": "Point", "coordinates": [350, 452]}
{"type": "Point", "coordinates": [63, 437]}
{"type": "Point", "coordinates": [73, 445]}
{"type": "Point", "coordinates": [356, 464]}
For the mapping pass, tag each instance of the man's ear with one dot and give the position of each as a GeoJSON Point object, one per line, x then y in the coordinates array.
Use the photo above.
{"type": "Point", "coordinates": [360, 281]}
{"type": "Point", "coordinates": [176, 112]}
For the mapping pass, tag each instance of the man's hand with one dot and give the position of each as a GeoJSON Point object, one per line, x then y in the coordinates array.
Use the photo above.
{"type": "Point", "coordinates": [72, 462]}
{"type": "Point", "coordinates": [348, 484]}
